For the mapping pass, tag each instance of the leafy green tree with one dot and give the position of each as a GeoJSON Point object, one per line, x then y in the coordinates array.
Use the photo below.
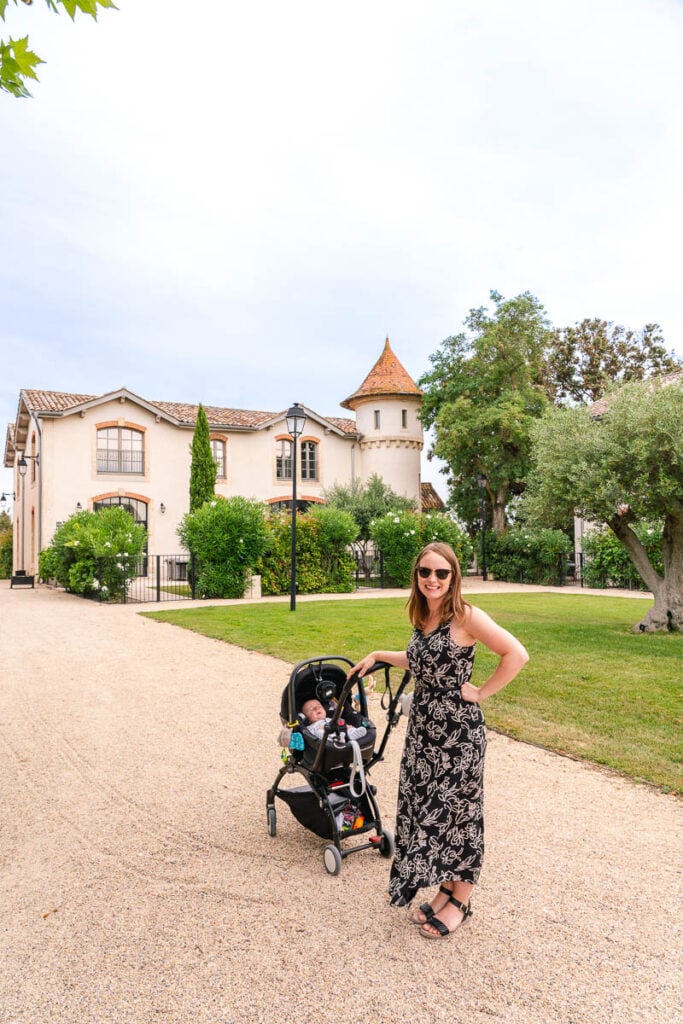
{"type": "Point", "coordinates": [324, 563]}
{"type": "Point", "coordinates": [620, 469]}
{"type": "Point", "coordinates": [228, 536]}
{"type": "Point", "coordinates": [366, 502]}
{"type": "Point", "coordinates": [17, 62]}
{"type": "Point", "coordinates": [588, 358]}
{"type": "Point", "coordinates": [6, 549]}
{"type": "Point", "coordinates": [486, 389]}
{"type": "Point", "coordinates": [203, 468]}
{"type": "Point", "coordinates": [400, 536]}
{"type": "Point", "coordinates": [95, 553]}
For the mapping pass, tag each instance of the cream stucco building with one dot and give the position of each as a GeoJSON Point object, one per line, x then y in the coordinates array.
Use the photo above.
{"type": "Point", "coordinates": [71, 451]}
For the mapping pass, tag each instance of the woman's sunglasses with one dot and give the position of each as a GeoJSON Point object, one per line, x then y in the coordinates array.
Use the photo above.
{"type": "Point", "coordinates": [441, 574]}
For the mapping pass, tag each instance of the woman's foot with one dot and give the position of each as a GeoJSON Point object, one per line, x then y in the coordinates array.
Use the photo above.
{"type": "Point", "coordinates": [426, 911]}
{"type": "Point", "coordinates": [450, 917]}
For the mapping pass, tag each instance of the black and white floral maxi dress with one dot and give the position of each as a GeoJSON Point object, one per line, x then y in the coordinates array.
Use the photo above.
{"type": "Point", "coordinates": [439, 821]}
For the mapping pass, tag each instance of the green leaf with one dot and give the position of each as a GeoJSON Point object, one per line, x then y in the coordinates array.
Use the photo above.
{"type": "Point", "coordinates": [17, 63]}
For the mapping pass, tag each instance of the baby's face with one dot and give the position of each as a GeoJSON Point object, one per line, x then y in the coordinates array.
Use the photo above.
{"type": "Point", "coordinates": [313, 710]}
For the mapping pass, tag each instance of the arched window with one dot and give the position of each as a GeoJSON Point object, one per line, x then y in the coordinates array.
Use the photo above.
{"type": "Point", "coordinates": [120, 450]}
{"type": "Point", "coordinates": [218, 453]}
{"type": "Point", "coordinates": [309, 460]}
{"type": "Point", "coordinates": [283, 459]}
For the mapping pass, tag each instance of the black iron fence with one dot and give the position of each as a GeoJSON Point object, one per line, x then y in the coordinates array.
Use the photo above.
{"type": "Point", "coordinates": [164, 578]}
{"type": "Point", "coordinates": [154, 578]}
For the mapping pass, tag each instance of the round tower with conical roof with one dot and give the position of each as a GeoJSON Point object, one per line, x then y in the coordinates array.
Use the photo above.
{"type": "Point", "coordinates": [391, 438]}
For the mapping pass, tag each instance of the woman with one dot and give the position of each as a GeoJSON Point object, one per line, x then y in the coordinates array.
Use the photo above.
{"type": "Point", "coordinates": [440, 824]}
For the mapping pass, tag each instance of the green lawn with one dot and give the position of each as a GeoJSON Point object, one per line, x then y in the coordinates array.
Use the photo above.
{"type": "Point", "coordinates": [591, 689]}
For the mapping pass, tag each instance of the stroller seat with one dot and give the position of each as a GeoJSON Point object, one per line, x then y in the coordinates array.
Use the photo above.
{"type": "Point", "coordinates": [325, 682]}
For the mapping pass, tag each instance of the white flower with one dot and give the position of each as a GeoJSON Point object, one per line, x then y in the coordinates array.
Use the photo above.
{"type": "Point", "coordinates": [76, 543]}
{"type": "Point", "coordinates": [213, 504]}
{"type": "Point", "coordinates": [105, 587]}
{"type": "Point", "coordinates": [125, 554]}
{"type": "Point", "coordinates": [95, 584]}
{"type": "Point", "coordinates": [396, 519]}
{"type": "Point", "coordinates": [107, 543]}
{"type": "Point", "coordinates": [119, 565]}
{"type": "Point", "coordinates": [412, 533]}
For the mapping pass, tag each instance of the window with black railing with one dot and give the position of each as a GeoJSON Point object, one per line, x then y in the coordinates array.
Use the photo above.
{"type": "Point", "coordinates": [120, 450]}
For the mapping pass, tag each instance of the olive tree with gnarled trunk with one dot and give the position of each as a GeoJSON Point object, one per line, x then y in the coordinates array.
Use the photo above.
{"type": "Point", "coordinates": [619, 468]}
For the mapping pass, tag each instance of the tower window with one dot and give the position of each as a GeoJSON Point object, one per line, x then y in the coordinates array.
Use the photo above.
{"type": "Point", "coordinates": [378, 418]}
{"type": "Point", "coordinates": [404, 418]}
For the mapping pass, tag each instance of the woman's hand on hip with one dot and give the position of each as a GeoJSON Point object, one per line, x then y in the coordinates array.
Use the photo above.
{"type": "Point", "coordinates": [470, 693]}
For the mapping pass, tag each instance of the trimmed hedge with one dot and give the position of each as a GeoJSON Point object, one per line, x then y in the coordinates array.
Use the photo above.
{"type": "Point", "coordinates": [400, 536]}
{"type": "Point", "coordinates": [607, 562]}
{"type": "Point", "coordinates": [524, 555]}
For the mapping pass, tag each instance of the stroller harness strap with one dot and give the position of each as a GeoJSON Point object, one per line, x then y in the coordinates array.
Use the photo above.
{"type": "Point", "coordinates": [357, 777]}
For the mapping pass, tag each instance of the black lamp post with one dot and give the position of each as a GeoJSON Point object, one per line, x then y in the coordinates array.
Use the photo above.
{"type": "Point", "coordinates": [296, 420]}
{"type": "Point", "coordinates": [482, 481]}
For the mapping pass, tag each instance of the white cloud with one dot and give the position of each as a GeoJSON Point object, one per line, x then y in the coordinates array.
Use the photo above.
{"type": "Point", "coordinates": [243, 200]}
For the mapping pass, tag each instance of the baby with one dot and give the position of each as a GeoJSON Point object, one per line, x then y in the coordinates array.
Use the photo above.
{"type": "Point", "coordinates": [317, 718]}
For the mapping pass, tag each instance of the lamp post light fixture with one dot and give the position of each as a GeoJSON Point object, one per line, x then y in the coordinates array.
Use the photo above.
{"type": "Point", "coordinates": [162, 508]}
{"type": "Point", "coordinates": [22, 464]}
{"type": "Point", "coordinates": [6, 497]}
{"type": "Point", "coordinates": [482, 481]}
{"type": "Point", "coordinates": [296, 420]}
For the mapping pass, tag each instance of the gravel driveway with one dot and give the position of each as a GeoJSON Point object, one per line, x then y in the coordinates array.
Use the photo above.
{"type": "Point", "coordinates": [139, 883]}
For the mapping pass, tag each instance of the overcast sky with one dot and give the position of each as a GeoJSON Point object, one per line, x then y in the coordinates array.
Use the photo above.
{"type": "Point", "coordinates": [235, 203]}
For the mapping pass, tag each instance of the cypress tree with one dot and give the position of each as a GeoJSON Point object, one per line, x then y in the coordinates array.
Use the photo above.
{"type": "Point", "coordinates": [203, 468]}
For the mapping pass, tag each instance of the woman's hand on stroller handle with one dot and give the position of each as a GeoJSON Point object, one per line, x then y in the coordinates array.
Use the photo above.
{"type": "Point", "coordinates": [378, 659]}
{"type": "Point", "coordinates": [362, 668]}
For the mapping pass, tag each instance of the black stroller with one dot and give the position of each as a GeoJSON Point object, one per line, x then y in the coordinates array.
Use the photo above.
{"type": "Point", "coordinates": [336, 802]}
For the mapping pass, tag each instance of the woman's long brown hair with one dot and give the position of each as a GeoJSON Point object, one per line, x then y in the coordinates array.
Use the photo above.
{"type": "Point", "coordinates": [453, 606]}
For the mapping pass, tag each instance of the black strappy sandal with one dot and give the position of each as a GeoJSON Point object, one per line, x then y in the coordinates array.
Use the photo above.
{"type": "Point", "coordinates": [442, 929]}
{"type": "Point", "coordinates": [427, 909]}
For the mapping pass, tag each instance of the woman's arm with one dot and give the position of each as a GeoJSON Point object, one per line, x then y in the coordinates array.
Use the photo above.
{"type": "Point", "coordinates": [513, 656]}
{"type": "Point", "coordinates": [399, 659]}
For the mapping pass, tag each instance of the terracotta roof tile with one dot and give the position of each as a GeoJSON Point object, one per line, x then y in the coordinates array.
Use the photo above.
{"type": "Point", "coordinates": [430, 499]}
{"type": "Point", "coordinates": [217, 416]}
{"type": "Point", "coordinates": [61, 401]}
{"type": "Point", "coordinates": [347, 425]}
{"type": "Point", "coordinates": [387, 377]}
{"type": "Point", "coordinates": [53, 401]}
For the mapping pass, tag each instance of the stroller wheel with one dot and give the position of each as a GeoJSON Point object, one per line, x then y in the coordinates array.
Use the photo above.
{"type": "Point", "coordinates": [386, 846]}
{"type": "Point", "coordinates": [272, 821]}
{"type": "Point", "coordinates": [333, 860]}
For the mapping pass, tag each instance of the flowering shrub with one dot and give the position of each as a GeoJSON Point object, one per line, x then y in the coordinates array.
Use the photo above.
{"type": "Point", "coordinates": [228, 536]}
{"type": "Point", "coordinates": [5, 546]}
{"type": "Point", "coordinates": [607, 563]}
{"type": "Point", "coordinates": [523, 555]}
{"type": "Point", "coordinates": [400, 536]}
{"type": "Point", "coordinates": [324, 563]}
{"type": "Point", "coordinates": [95, 553]}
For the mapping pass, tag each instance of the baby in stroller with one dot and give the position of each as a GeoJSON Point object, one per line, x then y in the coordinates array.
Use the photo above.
{"type": "Point", "coordinates": [317, 719]}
